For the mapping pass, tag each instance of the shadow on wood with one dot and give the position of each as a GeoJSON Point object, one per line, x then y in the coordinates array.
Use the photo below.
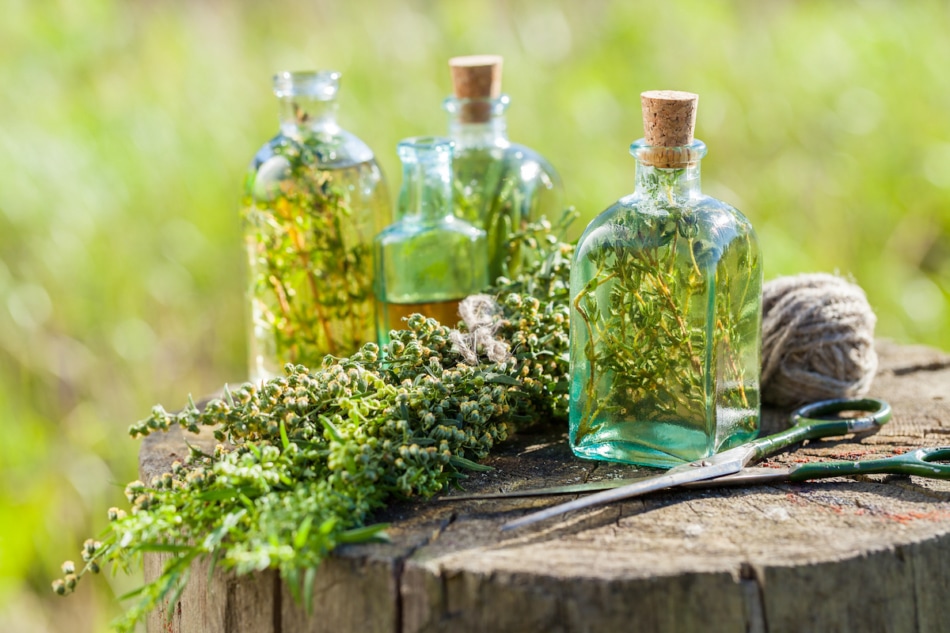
{"type": "Point", "coordinates": [858, 554]}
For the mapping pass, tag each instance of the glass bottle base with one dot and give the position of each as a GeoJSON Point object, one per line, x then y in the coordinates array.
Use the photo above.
{"type": "Point", "coordinates": [651, 444]}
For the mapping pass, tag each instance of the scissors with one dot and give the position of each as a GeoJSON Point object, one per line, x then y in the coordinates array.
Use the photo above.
{"type": "Point", "coordinates": [730, 467]}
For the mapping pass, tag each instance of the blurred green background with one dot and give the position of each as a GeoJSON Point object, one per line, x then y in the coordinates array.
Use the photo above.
{"type": "Point", "coordinates": [126, 127]}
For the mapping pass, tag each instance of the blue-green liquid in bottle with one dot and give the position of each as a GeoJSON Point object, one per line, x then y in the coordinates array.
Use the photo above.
{"type": "Point", "coordinates": [665, 324]}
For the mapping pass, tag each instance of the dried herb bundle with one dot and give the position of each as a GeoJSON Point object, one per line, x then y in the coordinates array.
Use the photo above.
{"type": "Point", "coordinates": [314, 452]}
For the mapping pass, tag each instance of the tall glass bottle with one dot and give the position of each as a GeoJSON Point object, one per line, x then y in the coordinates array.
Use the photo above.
{"type": "Point", "coordinates": [500, 186]}
{"type": "Point", "coordinates": [428, 260]}
{"type": "Point", "coordinates": [314, 198]}
{"type": "Point", "coordinates": [665, 310]}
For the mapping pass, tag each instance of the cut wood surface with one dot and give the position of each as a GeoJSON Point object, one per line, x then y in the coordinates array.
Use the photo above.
{"type": "Point", "coordinates": [868, 553]}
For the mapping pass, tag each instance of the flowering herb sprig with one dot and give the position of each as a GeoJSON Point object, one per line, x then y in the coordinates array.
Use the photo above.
{"type": "Point", "coordinates": [306, 458]}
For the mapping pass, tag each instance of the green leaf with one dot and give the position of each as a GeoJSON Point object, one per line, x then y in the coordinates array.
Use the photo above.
{"type": "Point", "coordinates": [502, 379]}
{"type": "Point", "coordinates": [219, 494]}
{"type": "Point", "coordinates": [461, 462]}
{"type": "Point", "coordinates": [560, 387]}
{"type": "Point", "coordinates": [365, 534]}
{"type": "Point", "coordinates": [284, 440]}
{"type": "Point", "coordinates": [135, 592]}
{"type": "Point", "coordinates": [308, 579]}
{"type": "Point", "coordinates": [217, 535]}
{"type": "Point", "coordinates": [292, 576]}
{"type": "Point", "coordinates": [218, 552]}
{"type": "Point", "coordinates": [164, 547]}
{"type": "Point", "coordinates": [332, 430]}
{"type": "Point", "coordinates": [300, 539]}
{"type": "Point", "coordinates": [327, 526]}
{"type": "Point", "coordinates": [176, 594]}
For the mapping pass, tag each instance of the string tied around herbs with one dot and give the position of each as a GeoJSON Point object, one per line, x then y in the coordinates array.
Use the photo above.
{"type": "Point", "coordinates": [817, 338]}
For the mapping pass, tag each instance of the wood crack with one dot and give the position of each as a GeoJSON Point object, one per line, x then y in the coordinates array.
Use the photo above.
{"type": "Point", "coordinates": [399, 566]}
{"type": "Point", "coordinates": [938, 365]}
{"type": "Point", "coordinates": [753, 596]}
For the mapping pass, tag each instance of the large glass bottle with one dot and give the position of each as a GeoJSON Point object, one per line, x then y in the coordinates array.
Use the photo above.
{"type": "Point", "coordinates": [428, 260]}
{"type": "Point", "coordinates": [314, 198]}
{"type": "Point", "coordinates": [500, 186]}
{"type": "Point", "coordinates": [665, 310]}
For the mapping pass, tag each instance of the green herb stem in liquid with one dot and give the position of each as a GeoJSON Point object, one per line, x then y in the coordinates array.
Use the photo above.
{"type": "Point", "coordinates": [666, 304]}
{"type": "Point", "coordinates": [313, 201]}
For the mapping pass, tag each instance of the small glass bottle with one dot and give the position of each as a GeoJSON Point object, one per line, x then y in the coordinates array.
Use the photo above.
{"type": "Point", "coordinates": [500, 186]}
{"type": "Point", "coordinates": [666, 310]}
{"type": "Point", "coordinates": [314, 198]}
{"type": "Point", "coordinates": [428, 260]}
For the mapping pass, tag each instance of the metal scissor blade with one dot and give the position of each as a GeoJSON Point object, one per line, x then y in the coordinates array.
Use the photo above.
{"type": "Point", "coordinates": [748, 476]}
{"type": "Point", "coordinates": [567, 489]}
{"type": "Point", "coordinates": [726, 463]}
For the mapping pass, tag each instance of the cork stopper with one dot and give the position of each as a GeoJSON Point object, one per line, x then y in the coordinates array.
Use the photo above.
{"type": "Point", "coordinates": [476, 77]}
{"type": "Point", "coordinates": [669, 118]}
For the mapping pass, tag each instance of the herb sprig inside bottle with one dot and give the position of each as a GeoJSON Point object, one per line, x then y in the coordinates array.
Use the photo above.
{"type": "Point", "coordinates": [314, 198]}
{"type": "Point", "coordinates": [500, 186]}
{"type": "Point", "coordinates": [665, 310]}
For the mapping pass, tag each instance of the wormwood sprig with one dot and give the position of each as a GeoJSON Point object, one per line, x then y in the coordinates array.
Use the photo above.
{"type": "Point", "coordinates": [306, 458]}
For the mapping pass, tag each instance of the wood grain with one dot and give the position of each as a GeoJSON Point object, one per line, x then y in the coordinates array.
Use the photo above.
{"type": "Point", "coordinates": [869, 553]}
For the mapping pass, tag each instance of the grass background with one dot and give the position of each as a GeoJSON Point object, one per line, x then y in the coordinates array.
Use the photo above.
{"type": "Point", "coordinates": [126, 127]}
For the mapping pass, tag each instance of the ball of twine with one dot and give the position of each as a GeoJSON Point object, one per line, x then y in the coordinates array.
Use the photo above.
{"type": "Point", "coordinates": [817, 339]}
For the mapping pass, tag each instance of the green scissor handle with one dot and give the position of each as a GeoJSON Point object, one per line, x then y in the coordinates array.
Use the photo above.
{"type": "Point", "coordinates": [918, 462]}
{"type": "Point", "coordinates": [808, 426]}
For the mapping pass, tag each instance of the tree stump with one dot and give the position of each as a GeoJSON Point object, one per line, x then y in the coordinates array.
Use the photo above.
{"type": "Point", "coordinates": [868, 553]}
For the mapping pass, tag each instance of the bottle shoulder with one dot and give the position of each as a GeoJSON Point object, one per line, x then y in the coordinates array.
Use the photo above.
{"type": "Point", "coordinates": [287, 161]}
{"type": "Point", "coordinates": [520, 159]}
{"type": "Point", "coordinates": [336, 149]}
{"type": "Point", "coordinates": [636, 221]}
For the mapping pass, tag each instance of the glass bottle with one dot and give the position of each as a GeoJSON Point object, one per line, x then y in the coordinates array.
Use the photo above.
{"type": "Point", "coordinates": [500, 186]}
{"type": "Point", "coordinates": [428, 260]}
{"type": "Point", "coordinates": [314, 198]}
{"type": "Point", "coordinates": [665, 310]}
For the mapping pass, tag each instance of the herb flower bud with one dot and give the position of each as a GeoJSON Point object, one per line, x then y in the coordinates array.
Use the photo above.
{"type": "Point", "coordinates": [133, 489]}
{"type": "Point", "coordinates": [59, 587]}
{"type": "Point", "coordinates": [370, 352]}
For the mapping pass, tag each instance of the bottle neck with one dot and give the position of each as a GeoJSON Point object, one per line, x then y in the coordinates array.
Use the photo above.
{"type": "Point", "coordinates": [307, 102]}
{"type": "Point", "coordinates": [478, 122]}
{"type": "Point", "coordinates": [673, 183]}
{"type": "Point", "coordinates": [302, 115]}
{"type": "Point", "coordinates": [426, 193]}
{"type": "Point", "coordinates": [670, 173]}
